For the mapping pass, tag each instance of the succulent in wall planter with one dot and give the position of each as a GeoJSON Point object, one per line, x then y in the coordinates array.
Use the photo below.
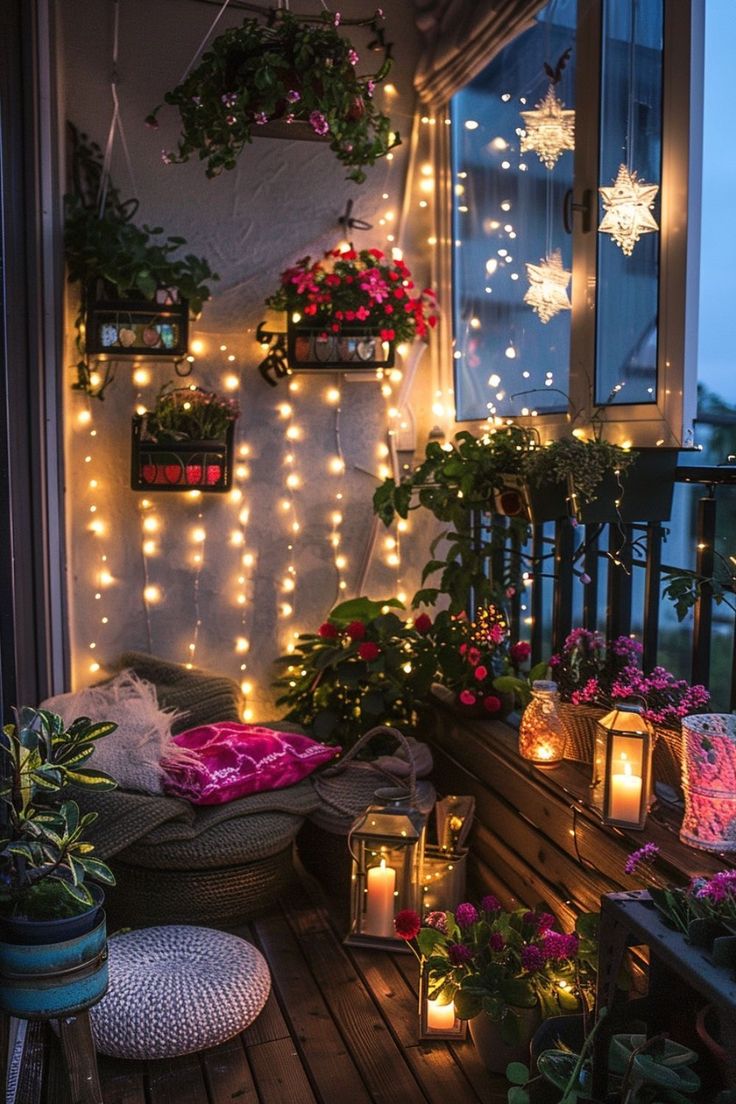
{"type": "Point", "coordinates": [137, 291]}
{"type": "Point", "coordinates": [185, 442]}
{"type": "Point", "coordinates": [291, 70]}
{"type": "Point", "coordinates": [350, 309]}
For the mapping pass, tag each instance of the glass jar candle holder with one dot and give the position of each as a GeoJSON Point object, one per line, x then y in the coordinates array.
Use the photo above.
{"type": "Point", "coordinates": [541, 736]}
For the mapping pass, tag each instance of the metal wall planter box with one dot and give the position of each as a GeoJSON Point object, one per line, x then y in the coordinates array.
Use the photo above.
{"type": "Point", "coordinates": [135, 327]}
{"type": "Point", "coordinates": [311, 349]}
{"type": "Point", "coordinates": [181, 465]}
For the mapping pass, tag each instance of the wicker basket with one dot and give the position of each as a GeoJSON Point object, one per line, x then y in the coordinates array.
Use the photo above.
{"type": "Point", "coordinates": [216, 897]}
{"type": "Point", "coordinates": [667, 758]}
{"type": "Point", "coordinates": [578, 723]}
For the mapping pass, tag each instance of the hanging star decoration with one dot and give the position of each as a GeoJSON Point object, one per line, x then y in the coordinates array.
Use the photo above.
{"type": "Point", "coordinates": [628, 209]}
{"type": "Point", "coordinates": [547, 291]}
{"type": "Point", "coordinates": [549, 129]}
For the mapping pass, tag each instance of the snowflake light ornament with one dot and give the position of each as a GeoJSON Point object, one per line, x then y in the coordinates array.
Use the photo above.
{"type": "Point", "coordinates": [547, 291]}
{"type": "Point", "coordinates": [550, 129]}
{"type": "Point", "coordinates": [628, 206]}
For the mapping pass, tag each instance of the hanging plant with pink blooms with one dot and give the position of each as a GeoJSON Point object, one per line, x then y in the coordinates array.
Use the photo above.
{"type": "Point", "coordinates": [289, 70]}
{"type": "Point", "coordinates": [350, 289]}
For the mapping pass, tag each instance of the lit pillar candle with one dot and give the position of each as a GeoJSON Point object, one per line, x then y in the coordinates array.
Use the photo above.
{"type": "Point", "coordinates": [440, 1017]}
{"type": "Point", "coordinates": [625, 800]}
{"type": "Point", "coordinates": [379, 906]}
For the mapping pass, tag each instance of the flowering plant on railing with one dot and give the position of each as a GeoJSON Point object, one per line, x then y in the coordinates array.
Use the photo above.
{"type": "Point", "coordinates": [491, 961]}
{"type": "Point", "coordinates": [478, 663]}
{"type": "Point", "coordinates": [188, 414]}
{"type": "Point", "coordinates": [356, 289]}
{"type": "Point", "coordinates": [590, 671]}
{"type": "Point", "coordinates": [701, 909]}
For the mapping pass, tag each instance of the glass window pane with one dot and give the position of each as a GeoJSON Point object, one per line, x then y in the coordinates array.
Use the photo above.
{"type": "Point", "coordinates": [631, 136]}
{"type": "Point", "coordinates": [507, 215]}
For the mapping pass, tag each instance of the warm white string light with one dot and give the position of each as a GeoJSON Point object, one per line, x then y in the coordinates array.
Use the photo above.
{"type": "Point", "coordinates": [97, 528]}
{"type": "Point", "coordinates": [292, 483]}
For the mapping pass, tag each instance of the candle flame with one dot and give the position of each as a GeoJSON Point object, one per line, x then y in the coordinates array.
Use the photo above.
{"type": "Point", "coordinates": [383, 864]}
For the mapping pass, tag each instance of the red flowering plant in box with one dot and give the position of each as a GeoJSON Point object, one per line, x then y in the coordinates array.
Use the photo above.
{"type": "Point", "coordinates": [590, 671]}
{"type": "Point", "coordinates": [477, 662]}
{"type": "Point", "coordinates": [352, 289]}
{"type": "Point", "coordinates": [362, 667]}
{"type": "Point", "coordinates": [490, 961]}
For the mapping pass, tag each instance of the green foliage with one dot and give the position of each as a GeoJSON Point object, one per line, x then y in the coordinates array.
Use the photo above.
{"type": "Point", "coordinates": [457, 480]}
{"type": "Point", "coordinates": [183, 414]}
{"type": "Point", "coordinates": [111, 248]}
{"type": "Point", "coordinates": [288, 69]}
{"type": "Point", "coordinates": [684, 587]}
{"type": "Point", "coordinates": [44, 856]}
{"type": "Point", "coordinates": [329, 687]}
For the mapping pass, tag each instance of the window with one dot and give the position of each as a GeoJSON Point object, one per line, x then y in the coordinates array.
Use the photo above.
{"type": "Point", "coordinates": [552, 317]}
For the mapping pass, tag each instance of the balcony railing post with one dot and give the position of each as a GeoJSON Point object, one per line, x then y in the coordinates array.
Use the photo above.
{"type": "Point", "coordinates": [652, 595]}
{"type": "Point", "coordinates": [705, 536]}
{"type": "Point", "coordinates": [619, 581]}
{"type": "Point", "coordinates": [562, 615]}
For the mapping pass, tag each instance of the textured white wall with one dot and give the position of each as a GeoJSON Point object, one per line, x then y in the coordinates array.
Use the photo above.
{"type": "Point", "coordinates": [280, 203]}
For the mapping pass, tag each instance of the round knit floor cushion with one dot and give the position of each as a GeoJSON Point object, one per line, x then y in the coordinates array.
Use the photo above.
{"type": "Point", "coordinates": [178, 989]}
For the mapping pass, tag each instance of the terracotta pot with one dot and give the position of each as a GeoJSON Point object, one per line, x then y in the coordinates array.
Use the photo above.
{"type": "Point", "coordinates": [493, 1052]}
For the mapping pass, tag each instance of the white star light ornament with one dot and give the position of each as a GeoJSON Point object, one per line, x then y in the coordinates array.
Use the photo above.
{"type": "Point", "coordinates": [547, 292]}
{"type": "Point", "coordinates": [628, 209]}
{"type": "Point", "coordinates": [550, 129]}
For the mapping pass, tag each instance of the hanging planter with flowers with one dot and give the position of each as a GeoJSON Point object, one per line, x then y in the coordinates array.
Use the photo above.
{"type": "Point", "coordinates": [184, 443]}
{"type": "Point", "coordinates": [294, 72]}
{"type": "Point", "coordinates": [349, 310]}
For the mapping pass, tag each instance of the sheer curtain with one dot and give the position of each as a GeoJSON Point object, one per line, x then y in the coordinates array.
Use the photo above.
{"type": "Point", "coordinates": [460, 38]}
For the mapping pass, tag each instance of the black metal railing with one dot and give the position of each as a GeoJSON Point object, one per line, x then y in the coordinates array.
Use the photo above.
{"type": "Point", "coordinates": [624, 569]}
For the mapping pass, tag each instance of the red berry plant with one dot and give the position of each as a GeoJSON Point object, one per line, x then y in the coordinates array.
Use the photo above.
{"type": "Point", "coordinates": [363, 289]}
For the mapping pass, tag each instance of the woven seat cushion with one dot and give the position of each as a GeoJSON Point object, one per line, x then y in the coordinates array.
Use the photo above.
{"type": "Point", "coordinates": [228, 843]}
{"type": "Point", "coordinates": [178, 989]}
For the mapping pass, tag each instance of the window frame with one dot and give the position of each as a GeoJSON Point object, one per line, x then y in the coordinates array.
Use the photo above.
{"type": "Point", "coordinates": [669, 420]}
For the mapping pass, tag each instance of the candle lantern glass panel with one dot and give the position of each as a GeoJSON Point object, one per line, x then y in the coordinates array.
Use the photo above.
{"type": "Point", "coordinates": [541, 735]}
{"type": "Point", "coordinates": [387, 845]}
{"type": "Point", "coordinates": [437, 1020]}
{"type": "Point", "coordinates": [622, 767]}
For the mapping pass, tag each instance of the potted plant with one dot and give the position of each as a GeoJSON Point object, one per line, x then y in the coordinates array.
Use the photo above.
{"type": "Point", "coordinates": [46, 865]}
{"type": "Point", "coordinates": [504, 971]}
{"type": "Point", "coordinates": [292, 70]}
{"type": "Point", "coordinates": [349, 310]}
{"type": "Point", "coordinates": [363, 667]}
{"type": "Point", "coordinates": [478, 668]}
{"type": "Point", "coordinates": [137, 292]}
{"type": "Point", "coordinates": [185, 442]}
{"type": "Point", "coordinates": [592, 674]}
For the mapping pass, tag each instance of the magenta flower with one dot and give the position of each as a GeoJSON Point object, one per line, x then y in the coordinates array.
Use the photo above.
{"type": "Point", "coordinates": [480, 672]}
{"type": "Point", "coordinates": [467, 697]}
{"type": "Point", "coordinates": [260, 118]}
{"type": "Point", "coordinates": [293, 96]}
{"type": "Point", "coordinates": [490, 903]}
{"type": "Point", "coordinates": [642, 857]}
{"type": "Point", "coordinates": [318, 122]}
{"type": "Point", "coordinates": [230, 120]}
{"type": "Point", "coordinates": [353, 57]}
{"type": "Point", "coordinates": [459, 954]}
{"type": "Point", "coordinates": [436, 920]}
{"type": "Point", "coordinates": [556, 945]}
{"type": "Point", "coordinates": [532, 958]}
{"type": "Point", "coordinates": [466, 914]}
{"type": "Point", "coordinates": [336, 19]}
{"type": "Point", "coordinates": [229, 99]}
{"type": "Point", "coordinates": [496, 941]}
{"type": "Point", "coordinates": [370, 87]}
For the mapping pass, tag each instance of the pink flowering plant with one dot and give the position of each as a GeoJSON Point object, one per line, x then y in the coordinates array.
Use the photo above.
{"type": "Point", "coordinates": [478, 662]}
{"type": "Point", "coordinates": [700, 909]}
{"type": "Point", "coordinates": [590, 671]}
{"type": "Point", "coordinates": [357, 289]}
{"type": "Point", "coordinates": [287, 69]}
{"type": "Point", "coordinates": [491, 961]}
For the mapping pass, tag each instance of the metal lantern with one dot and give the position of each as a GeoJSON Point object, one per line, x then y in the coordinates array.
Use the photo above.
{"type": "Point", "coordinates": [387, 845]}
{"type": "Point", "coordinates": [437, 1021]}
{"type": "Point", "coordinates": [622, 767]}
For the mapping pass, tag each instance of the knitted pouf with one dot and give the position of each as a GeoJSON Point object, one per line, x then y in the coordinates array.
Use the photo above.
{"type": "Point", "coordinates": [178, 989]}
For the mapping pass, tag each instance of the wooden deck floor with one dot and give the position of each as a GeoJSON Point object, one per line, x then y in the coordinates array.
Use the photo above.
{"type": "Point", "coordinates": [340, 1027]}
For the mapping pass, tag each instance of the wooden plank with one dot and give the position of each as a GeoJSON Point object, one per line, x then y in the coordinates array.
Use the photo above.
{"type": "Point", "coordinates": [227, 1075]}
{"type": "Point", "coordinates": [489, 1088]}
{"type": "Point", "coordinates": [269, 1026]}
{"type": "Point", "coordinates": [80, 1057]}
{"type": "Point", "coordinates": [331, 1069]}
{"type": "Point", "coordinates": [278, 1074]}
{"type": "Point", "coordinates": [123, 1081]}
{"type": "Point", "coordinates": [381, 1063]}
{"type": "Point", "coordinates": [31, 1076]}
{"type": "Point", "coordinates": [176, 1081]}
{"type": "Point", "coordinates": [392, 990]}
{"type": "Point", "coordinates": [442, 1077]}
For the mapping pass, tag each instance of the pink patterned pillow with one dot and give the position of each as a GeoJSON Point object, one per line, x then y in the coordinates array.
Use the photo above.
{"type": "Point", "coordinates": [230, 760]}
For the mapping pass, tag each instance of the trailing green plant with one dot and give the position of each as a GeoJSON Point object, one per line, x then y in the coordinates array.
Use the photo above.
{"type": "Point", "coordinates": [45, 859]}
{"type": "Point", "coordinates": [364, 666]}
{"type": "Point", "coordinates": [291, 69]}
{"type": "Point", "coordinates": [188, 414]}
{"type": "Point", "coordinates": [460, 479]}
{"type": "Point", "coordinates": [103, 245]}
{"type": "Point", "coordinates": [684, 588]}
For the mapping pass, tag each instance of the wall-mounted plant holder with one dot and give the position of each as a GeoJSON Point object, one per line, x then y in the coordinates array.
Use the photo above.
{"type": "Point", "coordinates": [180, 465]}
{"type": "Point", "coordinates": [311, 349]}
{"type": "Point", "coordinates": [136, 327]}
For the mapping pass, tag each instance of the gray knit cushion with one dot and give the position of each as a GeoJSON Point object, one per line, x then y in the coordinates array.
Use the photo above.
{"type": "Point", "coordinates": [199, 697]}
{"type": "Point", "coordinates": [178, 989]}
